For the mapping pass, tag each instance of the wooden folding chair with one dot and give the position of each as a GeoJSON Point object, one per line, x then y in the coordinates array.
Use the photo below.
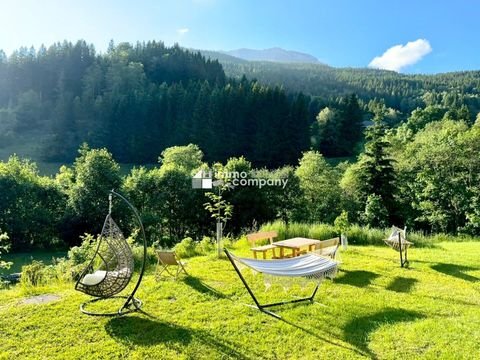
{"type": "Point", "coordinates": [166, 260]}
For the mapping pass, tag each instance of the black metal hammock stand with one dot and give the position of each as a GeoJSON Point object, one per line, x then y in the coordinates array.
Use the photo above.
{"type": "Point", "coordinates": [112, 266]}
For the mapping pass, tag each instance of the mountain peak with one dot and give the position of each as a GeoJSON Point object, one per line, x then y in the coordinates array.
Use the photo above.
{"type": "Point", "coordinates": [274, 54]}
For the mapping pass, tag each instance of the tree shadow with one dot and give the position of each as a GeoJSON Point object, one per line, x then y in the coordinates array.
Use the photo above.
{"type": "Point", "coordinates": [358, 330]}
{"type": "Point", "coordinates": [149, 332]}
{"type": "Point", "coordinates": [145, 332]}
{"type": "Point", "coordinates": [319, 337]}
{"type": "Point", "coordinates": [458, 271]}
{"type": "Point", "coordinates": [198, 285]}
{"type": "Point", "coordinates": [401, 284]}
{"type": "Point", "coordinates": [358, 278]}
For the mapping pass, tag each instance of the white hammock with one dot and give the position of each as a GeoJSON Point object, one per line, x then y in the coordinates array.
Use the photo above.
{"type": "Point", "coordinates": [310, 266]}
{"type": "Point", "coordinates": [398, 239]}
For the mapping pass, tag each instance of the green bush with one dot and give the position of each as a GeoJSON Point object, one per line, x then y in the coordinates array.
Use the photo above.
{"type": "Point", "coordinates": [63, 270]}
{"type": "Point", "coordinates": [206, 246]}
{"type": "Point", "coordinates": [186, 248]}
{"type": "Point", "coordinates": [80, 256]}
{"type": "Point", "coordinates": [341, 223]}
{"type": "Point", "coordinates": [228, 243]}
{"type": "Point", "coordinates": [87, 184]}
{"type": "Point", "coordinates": [32, 206]}
{"type": "Point", "coordinates": [137, 251]}
{"type": "Point", "coordinates": [4, 246]}
{"type": "Point", "coordinates": [189, 248]}
{"type": "Point", "coordinates": [36, 274]}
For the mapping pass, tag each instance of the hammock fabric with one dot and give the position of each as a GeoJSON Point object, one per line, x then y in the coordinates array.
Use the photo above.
{"type": "Point", "coordinates": [398, 241]}
{"type": "Point", "coordinates": [310, 266]}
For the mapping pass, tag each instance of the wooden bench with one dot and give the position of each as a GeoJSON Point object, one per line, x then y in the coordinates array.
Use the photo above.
{"type": "Point", "coordinates": [328, 247]}
{"type": "Point", "coordinates": [270, 235]}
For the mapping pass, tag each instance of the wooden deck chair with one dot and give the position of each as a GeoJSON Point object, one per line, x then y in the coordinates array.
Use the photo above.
{"type": "Point", "coordinates": [398, 241]}
{"type": "Point", "coordinates": [167, 259]}
{"type": "Point", "coordinates": [270, 235]}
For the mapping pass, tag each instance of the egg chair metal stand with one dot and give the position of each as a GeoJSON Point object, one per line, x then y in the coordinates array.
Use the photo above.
{"type": "Point", "coordinates": [111, 268]}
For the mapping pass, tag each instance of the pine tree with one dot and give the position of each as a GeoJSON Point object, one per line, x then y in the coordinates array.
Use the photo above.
{"type": "Point", "coordinates": [351, 124]}
{"type": "Point", "coordinates": [377, 173]}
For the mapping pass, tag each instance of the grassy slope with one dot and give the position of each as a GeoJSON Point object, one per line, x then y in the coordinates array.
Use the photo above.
{"type": "Point", "coordinates": [373, 309]}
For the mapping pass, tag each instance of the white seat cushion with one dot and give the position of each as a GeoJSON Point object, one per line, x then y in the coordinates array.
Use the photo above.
{"type": "Point", "coordinates": [95, 278]}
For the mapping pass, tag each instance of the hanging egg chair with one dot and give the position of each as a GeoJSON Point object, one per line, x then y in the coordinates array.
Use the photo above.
{"type": "Point", "coordinates": [112, 267]}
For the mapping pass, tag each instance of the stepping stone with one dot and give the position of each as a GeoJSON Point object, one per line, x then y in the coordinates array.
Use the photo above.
{"type": "Point", "coordinates": [40, 299]}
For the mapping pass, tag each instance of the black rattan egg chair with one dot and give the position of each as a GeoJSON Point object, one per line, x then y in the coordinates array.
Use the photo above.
{"type": "Point", "coordinates": [111, 268]}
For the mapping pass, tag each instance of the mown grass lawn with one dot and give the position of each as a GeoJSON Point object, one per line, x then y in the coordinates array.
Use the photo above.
{"type": "Point", "coordinates": [373, 309]}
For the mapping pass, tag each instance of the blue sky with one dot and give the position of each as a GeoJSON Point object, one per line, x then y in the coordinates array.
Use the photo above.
{"type": "Point", "coordinates": [444, 35]}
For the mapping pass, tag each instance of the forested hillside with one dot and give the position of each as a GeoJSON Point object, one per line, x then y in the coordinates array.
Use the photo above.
{"type": "Point", "coordinates": [136, 100]}
{"type": "Point", "coordinates": [136, 103]}
{"type": "Point", "coordinates": [401, 92]}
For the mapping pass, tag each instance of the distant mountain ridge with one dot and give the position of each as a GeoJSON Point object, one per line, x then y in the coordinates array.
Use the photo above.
{"type": "Point", "coordinates": [403, 92]}
{"type": "Point", "coordinates": [274, 54]}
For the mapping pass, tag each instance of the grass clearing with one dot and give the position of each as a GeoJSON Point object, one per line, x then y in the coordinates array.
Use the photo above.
{"type": "Point", "coordinates": [373, 309]}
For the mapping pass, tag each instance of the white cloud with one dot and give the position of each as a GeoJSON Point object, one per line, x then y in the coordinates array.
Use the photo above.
{"type": "Point", "coordinates": [183, 31]}
{"type": "Point", "coordinates": [400, 56]}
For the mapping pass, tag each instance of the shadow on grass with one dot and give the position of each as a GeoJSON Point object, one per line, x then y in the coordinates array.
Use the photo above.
{"type": "Point", "coordinates": [145, 332]}
{"type": "Point", "coordinates": [358, 278]}
{"type": "Point", "coordinates": [458, 271]}
{"type": "Point", "coordinates": [358, 330]}
{"type": "Point", "coordinates": [330, 340]}
{"type": "Point", "coordinates": [149, 332]}
{"type": "Point", "coordinates": [401, 284]}
{"type": "Point", "coordinates": [198, 285]}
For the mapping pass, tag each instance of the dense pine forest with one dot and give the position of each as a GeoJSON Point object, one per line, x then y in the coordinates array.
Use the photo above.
{"type": "Point", "coordinates": [402, 92]}
{"type": "Point", "coordinates": [412, 141]}
{"type": "Point", "coordinates": [137, 100]}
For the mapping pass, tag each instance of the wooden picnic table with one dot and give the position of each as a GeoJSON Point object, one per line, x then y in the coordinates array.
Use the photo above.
{"type": "Point", "coordinates": [296, 244]}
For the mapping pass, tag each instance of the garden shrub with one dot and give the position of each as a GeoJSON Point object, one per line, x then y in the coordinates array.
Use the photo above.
{"type": "Point", "coordinates": [137, 251]}
{"type": "Point", "coordinates": [4, 246]}
{"type": "Point", "coordinates": [36, 274]}
{"type": "Point", "coordinates": [186, 248]}
{"type": "Point", "coordinates": [206, 246]}
{"type": "Point", "coordinates": [32, 206]}
{"type": "Point", "coordinates": [79, 256]}
{"type": "Point", "coordinates": [63, 269]}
